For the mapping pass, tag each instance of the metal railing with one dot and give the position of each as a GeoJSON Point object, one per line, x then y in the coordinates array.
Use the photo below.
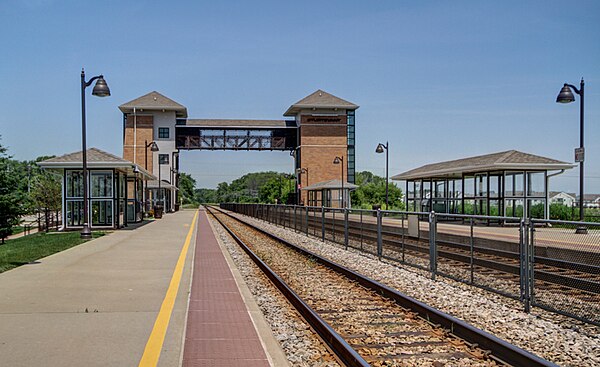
{"type": "Point", "coordinates": [542, 263]}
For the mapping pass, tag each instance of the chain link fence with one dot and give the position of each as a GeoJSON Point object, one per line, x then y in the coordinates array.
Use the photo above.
{"type": "Point", "coordinates": [551, 264]}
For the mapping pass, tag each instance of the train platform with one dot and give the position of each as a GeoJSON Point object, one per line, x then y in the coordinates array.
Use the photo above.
{"type": "Point", "coordinates": [122, 300]}
{"type": "Point", "coordinates": [224, 326]}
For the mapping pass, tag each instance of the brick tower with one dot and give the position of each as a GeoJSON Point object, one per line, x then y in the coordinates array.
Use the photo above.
{"type": "Point", "coordinates": [325, 131]}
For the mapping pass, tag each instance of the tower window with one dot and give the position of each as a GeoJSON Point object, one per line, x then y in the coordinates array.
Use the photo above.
{"type": "Point", "coordinates": [163, 132]}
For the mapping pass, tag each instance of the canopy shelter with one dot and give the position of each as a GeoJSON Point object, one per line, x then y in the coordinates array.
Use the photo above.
{"type": "Point", "coordinates": [115, 188]}
{"type": "Point", "coordinates": [509, 183]}
{"type": "Point", "coordinates": [331, 194]}
{"type": "Point", "coordinates": [162, 195]}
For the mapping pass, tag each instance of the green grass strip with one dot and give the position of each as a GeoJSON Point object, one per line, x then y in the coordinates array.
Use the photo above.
{"type": "Point", "coordinates": [23, 250]}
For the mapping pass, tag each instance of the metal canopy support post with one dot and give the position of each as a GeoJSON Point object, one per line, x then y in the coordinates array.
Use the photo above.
{"type": "Point", "coordinates": [524, 265]}
{"type": "Point", "coordinates": [432, 244]}
{"type": "Point", "coordinates": [323, 223]}
{"type": "Point", "coordinates": [346, 228]}
{"type": "Point", "coordinates": [379, 236]}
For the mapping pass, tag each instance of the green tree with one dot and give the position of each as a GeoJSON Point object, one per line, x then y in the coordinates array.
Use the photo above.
{"type": "Point", "coordinates": [187, 186]}
{"type": "Point", "coordinates": [45, 195]}
{"type": "Point", "coordinates": [206, 196]}
{"type": "Point", "coordinates": [11, 198]}
{"type": "Point", "coordinates": [276, 189]}
{"type": "Point", "coordinates": [371, 191]}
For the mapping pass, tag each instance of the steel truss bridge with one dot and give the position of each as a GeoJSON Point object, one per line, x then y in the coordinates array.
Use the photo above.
{"type": "Point", "coordinates": [236, 135]}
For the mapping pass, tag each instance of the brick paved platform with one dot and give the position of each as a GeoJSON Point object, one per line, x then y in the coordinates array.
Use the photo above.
{"type": "Point", "coordinates": [220, 331]}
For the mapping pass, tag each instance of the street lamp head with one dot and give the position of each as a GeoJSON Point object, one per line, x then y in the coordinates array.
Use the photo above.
{"type": "Point", "coordinates": [565, 95]}
{"type": "Point", "coordinates": [337, 160]}
{"type": "Point", "coordinates": [101, 88]}
{"type": "Point", "coordinates": [154, 147]}
{"type": "Point", "coordinates": [380, 148]}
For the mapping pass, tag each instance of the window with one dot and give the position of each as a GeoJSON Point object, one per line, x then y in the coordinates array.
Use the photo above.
{"type": "Point", "coordinates": [74, 184]}
{"type": "Point", "coordinates": [101, 184]}
{"type": "Point", "coordinates": [163, 158]}
{"type": "Point", "coordinates": [163, 133]}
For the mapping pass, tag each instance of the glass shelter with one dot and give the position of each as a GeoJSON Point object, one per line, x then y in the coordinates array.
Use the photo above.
{"type": "Point", "coordinates": [330, 194]}
{"type": "Point", "coordinates": [115, 189]}
{"type": "Point", "coordinates": [511, 183]}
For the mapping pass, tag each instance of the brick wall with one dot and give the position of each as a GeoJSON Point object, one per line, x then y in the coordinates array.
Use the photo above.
{"type": "Point", "coordinates": [322, 138]}
{"type": "Point", "coordinates": [144, 132]}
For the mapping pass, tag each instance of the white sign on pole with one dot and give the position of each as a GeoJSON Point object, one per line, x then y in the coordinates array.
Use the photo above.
{"type": "Point", "coordinates": [579, 154]}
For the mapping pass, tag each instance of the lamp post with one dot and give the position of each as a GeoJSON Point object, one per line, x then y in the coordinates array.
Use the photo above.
{"type": "Point", "coordinates": [566, 96]}
{"type": "Point", "coordinates": [153, 148]}
{"type": "Point", "coordinates": [340, 160]}
{"type": "Point", "coordinates": [299, 172]}
{"type": "Point", "coordinates": [100, 90]}
{"type": "Point", "coordinates": [379, 149]}
{"type": "Point", "coordinates": [160, 195]}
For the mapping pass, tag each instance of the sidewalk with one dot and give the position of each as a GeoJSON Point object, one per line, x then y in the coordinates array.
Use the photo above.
{"type": "Point", "coordinates": [95, 304]}
{"type": "Point", "coordinates": [225, 326]}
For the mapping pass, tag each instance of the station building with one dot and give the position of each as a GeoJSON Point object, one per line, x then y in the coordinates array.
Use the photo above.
{"type": "Point", "coordinates": [319, 128]}
{"type": "Point", "coordinates": [115, 189]}
{"type": "Point", "coordinates": [510, 183]}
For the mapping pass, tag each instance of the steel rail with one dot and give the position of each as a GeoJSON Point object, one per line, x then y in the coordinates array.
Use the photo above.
{"type": "Point", "coordinates": [546, 275]}
{"type": "Point", "coordinates": [338, 345]}
{"type": "Point", "coordinates": [500, 349]}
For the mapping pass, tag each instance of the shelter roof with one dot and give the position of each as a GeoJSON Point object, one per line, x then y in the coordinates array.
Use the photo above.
{"type": "Point", "coordinates": [244, 124]}
{"type": "Point", "coordinates": [552, 194]}
{"type": "Point", "coordinates": [508, 160]}
{"type": "Point", "coordinates": [153, 184]}
{"type": "Point", "coordinates": [319, 99]}
{"type": "Point", "coordinates": [328, 185]}
{"type": "Point", "coordinates": [154, 101]}
{"type": "Point", "coordinates": [96, 158]}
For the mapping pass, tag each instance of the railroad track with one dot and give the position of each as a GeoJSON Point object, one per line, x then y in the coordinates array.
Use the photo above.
{"type": "Point", "coordinates": [577, 280]}
{"type": "Point", "coordinates": [364, 322]}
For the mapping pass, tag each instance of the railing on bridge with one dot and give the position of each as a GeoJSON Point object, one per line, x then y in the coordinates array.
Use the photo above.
{"type": "Point", "coordinates": [542, 263]}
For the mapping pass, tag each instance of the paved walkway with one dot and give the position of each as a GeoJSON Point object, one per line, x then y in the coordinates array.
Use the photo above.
{"type": "Point", "coordinates": [95, 304]}
{"type": "Point", "coordinates": [108, 302]}
{"type": "Point", "coordinates": [220, 331]}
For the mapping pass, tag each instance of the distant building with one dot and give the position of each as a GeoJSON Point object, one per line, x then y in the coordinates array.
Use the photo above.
{"type": "Point", "coordinates": [591, 200]}
{"type": "Point", "coordinates": [563, 198]}
{"type": "Point", "coordinates": [510, 183]}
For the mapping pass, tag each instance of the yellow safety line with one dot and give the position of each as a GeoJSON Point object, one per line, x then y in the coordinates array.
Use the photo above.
{"type": "Point", "coordinates": [157, 337]}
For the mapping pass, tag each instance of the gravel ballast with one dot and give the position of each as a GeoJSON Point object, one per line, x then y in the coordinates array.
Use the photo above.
{"type": "Point", "coordinates": [556, 338]}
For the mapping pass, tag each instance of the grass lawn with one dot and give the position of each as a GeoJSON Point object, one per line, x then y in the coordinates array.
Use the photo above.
{"type": "Point", "coordinates": [17, 229]}
{"type": "Point", "coordinates": [23, 250]}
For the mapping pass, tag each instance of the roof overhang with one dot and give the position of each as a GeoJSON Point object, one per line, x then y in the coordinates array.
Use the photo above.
{"type": "Point", "coordinates": [231, 124]}
{"type": "Point", "coordinates": [180, 112]}
{"type": "Point", "coordinates": [163, 185]}
{"type": "Point", "coordinates": [458, 172]}
{"type": "Point", "coordinates": [128, 168]}
{"type": "Point", "coordinates": [297, 108]}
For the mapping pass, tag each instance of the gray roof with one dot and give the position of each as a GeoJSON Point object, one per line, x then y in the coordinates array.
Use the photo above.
{"type": "Point", "coordinates": [508, 160]}
{"type": "Point", "coordinates": [96, 158]}
{"type": "Point", "coordinates": [154, 101]}
{"type": "Point", "coordinates": [319, 99]}
{"type": "Point", "coordinates": [331, 184]}
{"type": "Point", "coordinates": [552, 194]}
{"type": "Point", "coordinates": [245, 124]}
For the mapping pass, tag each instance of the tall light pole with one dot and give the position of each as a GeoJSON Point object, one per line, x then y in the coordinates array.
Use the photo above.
{"type": "Point", "coordinates": [100, 90]}
{"type": "Point", "coordinates": [299, 172]}
{"type": "Point", "coordinates": [160, 194]}
{"type": "Point", "coordinates": [566, 96]}
{"type": "Point", "coordinates": [153, 148]}
{"type": "Point", "coordinates": [379, 149]}
{"type": "Point", "coordinates": [340, 160]}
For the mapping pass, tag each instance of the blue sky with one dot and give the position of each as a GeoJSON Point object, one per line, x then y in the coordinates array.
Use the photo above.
{"type": "Point", "coordinates": [440, 80]}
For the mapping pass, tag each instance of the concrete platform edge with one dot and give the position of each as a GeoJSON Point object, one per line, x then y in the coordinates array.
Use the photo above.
{"type": "Point", "coordinates": [275, 354]}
